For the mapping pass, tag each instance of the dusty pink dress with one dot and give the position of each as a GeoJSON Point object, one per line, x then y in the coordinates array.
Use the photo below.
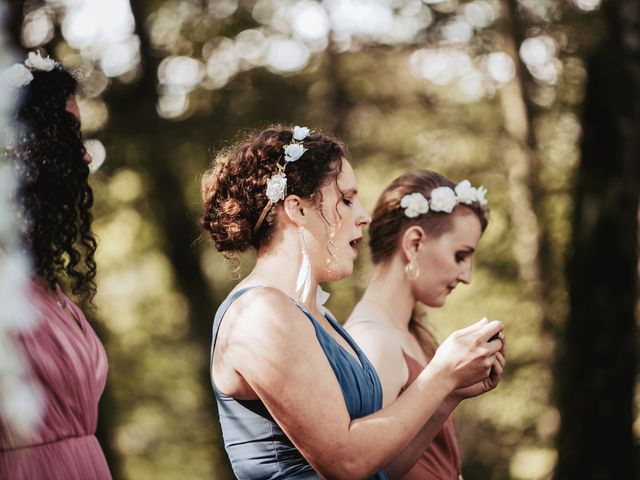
{"type": "Point", "coordinates": [441, 461]}
{"type": "Point", "coordinates": [67, 360]}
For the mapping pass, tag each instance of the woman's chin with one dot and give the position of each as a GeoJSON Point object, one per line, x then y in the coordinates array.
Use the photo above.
{"type": "Point", "coordinates": [339, 272]}
{"type": "Point", "coordinates": [434, 302]}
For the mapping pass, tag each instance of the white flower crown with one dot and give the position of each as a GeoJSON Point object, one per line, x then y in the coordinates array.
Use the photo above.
{"type": "Point", "coordinates": [443, 199]}
{"type": "Point", "coordinates": [277, 184]}
{"type": "Point", "coordinates": [19, 75]}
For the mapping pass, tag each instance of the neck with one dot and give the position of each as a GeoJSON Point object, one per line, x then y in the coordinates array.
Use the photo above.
{"type": "Point", "coordinates": [389, 289]}
{"type": "Point", "coordinates": [278, 267]}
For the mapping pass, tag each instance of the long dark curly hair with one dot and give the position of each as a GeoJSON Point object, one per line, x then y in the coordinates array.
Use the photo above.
{"type": "Point", "coordinates": [53, 196]}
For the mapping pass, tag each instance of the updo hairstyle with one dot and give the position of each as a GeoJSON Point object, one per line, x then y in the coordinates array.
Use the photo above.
{"type": "Point", "coordinates": [234, 189]}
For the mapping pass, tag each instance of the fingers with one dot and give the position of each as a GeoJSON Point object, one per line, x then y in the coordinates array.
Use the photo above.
{"type": "Point", "coordinates": [495, 327]}
{"type": "Point", "coordinates": [501, 359]}
{"type": "Point", "coordinates": [496, 373]}
{"type": "Point", "coordinates": [492, 333]}
{"type": "Point", "coordinates": [473, 327]}
{"type": "Point", "coordinates": [503, 350]}
{"type": "Point", "coordinates": [497, 369]}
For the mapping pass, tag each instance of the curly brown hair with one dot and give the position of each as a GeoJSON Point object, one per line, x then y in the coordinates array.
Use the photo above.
{"type": "Point", "coordinates": [234, 189]}
{"type": "Point", "coordinates": [389, 223]}
{"type": "Point", "coordinates": [54, 197]}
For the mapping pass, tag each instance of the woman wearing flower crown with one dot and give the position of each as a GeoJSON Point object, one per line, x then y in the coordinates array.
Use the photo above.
{"type": "Point", "coordinates": [424, 232]}
{"type": "Point", "coordinates": [64, 358]}
{"type": "Point", "coordinates": [297, 398]}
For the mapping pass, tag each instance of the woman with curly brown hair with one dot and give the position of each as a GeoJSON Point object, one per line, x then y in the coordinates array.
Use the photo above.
{"type": "Point", "coordinates": [297, 398]}
{"type": "Point", "coordinates": [424, 232]}
{"type": "Point", "coordinates": [65, 359]}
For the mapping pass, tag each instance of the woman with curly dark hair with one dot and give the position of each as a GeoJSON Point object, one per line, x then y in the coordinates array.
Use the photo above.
{"type": "Point", "coordinates": [65, 358]}
{"type": "Point", "coordinates": [296, 396]}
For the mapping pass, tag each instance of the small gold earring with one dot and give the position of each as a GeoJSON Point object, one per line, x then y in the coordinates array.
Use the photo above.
{"type": "Point", "coordinates": [412, 269]}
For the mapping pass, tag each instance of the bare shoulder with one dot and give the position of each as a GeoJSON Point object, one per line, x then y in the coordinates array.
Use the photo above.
{"type": "Point", "coordinates": [379, 340]}
{"type": "Point", "coordinates": [266, 315]}
{"type": "Point", "coordinates": [261, 298]}
{"type": "Point", "coordinates": [367, 325]}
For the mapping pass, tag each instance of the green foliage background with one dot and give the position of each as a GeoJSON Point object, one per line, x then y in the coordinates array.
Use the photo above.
{"type": "Point", "coordinates": [160, 282]}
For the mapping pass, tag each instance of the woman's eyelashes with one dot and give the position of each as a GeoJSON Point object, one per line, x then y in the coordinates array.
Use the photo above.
{"type": "Point", "coordinates": [462, 256]}
{"type": "Point", "coordinates": [347, 201]}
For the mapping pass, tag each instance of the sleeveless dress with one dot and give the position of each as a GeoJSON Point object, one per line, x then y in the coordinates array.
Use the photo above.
{"type": "Point", "coordinates": [441, 461]}
{"type": "Point", "coordinates": [66, 360]}
{"type": "Point", "coordinates": [257, 447]}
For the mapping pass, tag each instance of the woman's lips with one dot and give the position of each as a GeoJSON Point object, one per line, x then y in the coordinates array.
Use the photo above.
{"type": "Point", "coordinates": [353, 244]}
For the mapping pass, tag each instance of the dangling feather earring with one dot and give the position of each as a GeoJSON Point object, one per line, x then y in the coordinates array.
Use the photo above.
{"type": "Point", "coordinates": [304, 275]}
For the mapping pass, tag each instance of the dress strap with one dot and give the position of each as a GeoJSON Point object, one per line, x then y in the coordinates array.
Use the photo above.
{"type": "Point", "coordinates": [222, 309]}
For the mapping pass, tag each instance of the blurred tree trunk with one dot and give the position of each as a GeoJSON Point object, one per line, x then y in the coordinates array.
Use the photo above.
{"type": "Point", "coordinates": [597, 362]}
{"type": "Point", "coordinates": [531, 246]}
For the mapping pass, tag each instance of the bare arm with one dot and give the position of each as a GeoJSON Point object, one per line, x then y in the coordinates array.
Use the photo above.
{"type": "Point", "coordinates": [275, 351]}
{"type": "Point", "coordinates": [376, 339]}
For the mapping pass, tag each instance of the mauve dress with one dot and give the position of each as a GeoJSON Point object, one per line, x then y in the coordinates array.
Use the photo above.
{"type": "Point", "coordinates": [441, 461]}
{"type": "Point", "coordinates": [66, 359]}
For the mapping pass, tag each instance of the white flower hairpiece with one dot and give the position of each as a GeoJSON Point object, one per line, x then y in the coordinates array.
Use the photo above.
{"type": "Point", "coordinates": [19, 75]}
{"type": "Point", "coordinates": [443, 199]}
{"type": "Point", "coordinates": [35, 61]}
{"type": "Point", "coordinates": [300, 133]}
{"type": "Point", "coordinates": [468, 194]}
{"type": "Point", "coordinates": [276, 187]}
{"type": "Point", "coordinates": [293, 152]}
{"type": "Point", "coordinates": [277, 184]}
{"type": "Point", "coordinates": [414, 204]}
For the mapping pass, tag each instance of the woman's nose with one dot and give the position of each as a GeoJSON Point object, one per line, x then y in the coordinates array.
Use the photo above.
{"type": "Point", "coordinates": [363, 217]}
{"type": "Point", "coordinates": [465, 275]}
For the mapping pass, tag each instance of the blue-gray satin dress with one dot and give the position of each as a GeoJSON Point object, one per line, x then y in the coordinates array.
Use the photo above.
{"type": "Point", "coordinates": [257, 447]}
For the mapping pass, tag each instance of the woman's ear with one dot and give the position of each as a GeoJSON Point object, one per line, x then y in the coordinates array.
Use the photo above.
{"type": "Point", "coordinates": [411, 240]}
{"type": "Point", "coordinates": [296, 210]}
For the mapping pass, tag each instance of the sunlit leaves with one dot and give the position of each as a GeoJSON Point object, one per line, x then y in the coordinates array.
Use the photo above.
{"type": "Point", "coordinates": [103, 30]}
{"type": "Point", "coordinates": [540, 55]}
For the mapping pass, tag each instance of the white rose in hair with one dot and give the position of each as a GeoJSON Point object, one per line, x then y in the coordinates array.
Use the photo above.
{"type": "Point", "coordinates": [443, 199]}
{"type": "Point", "coordinates": [35, 61]}
{"type": "Point", "coordinates": [293, 152]}
{"type": "Point", "coordinates": [414, 204]}
{"type": "Point", "coordinates": [480, 193]}
{"type": "Point", "coordinates": [466, 193]}
{"type": "Point", "coordinates": [276, 187]}
{"type": "Point", "coordinates": [17, 76]}
{"type": "Point", "coordinates": [300, 133]}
